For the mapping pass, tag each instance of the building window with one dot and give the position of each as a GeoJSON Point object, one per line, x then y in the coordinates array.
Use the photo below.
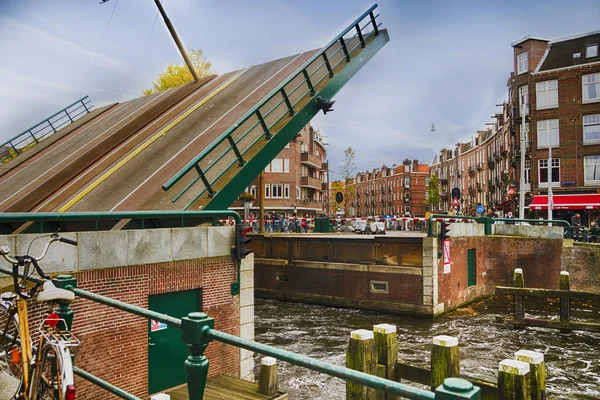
{"type": "Point", "coordinates": [286, 191]}
{"type": "Point", "coordinates": [591, 165]}
{"type": "Point", "coordinates": [426, 182]}
{"type": "Point", "coordinates": [406, 210]}
{"type": "Point", "coordinates": [543, 172]}
{"type": "Point", "coordinates": [522, 64]}
{"type": "Point", "coordinates": [268, 168]}
{"type": "Point", "coordinates": [286, 165]}
{"type": "Point", "coordinates": [524, 98]}
{"type": "Point", "coordinates": [253, 191]}
{"type": "Point", "coordinates": [591, 51]}
{"type": "Point", "coordinates": [591, 129]}
{"type": "Point", "coordinates": [277, 190]}
{"type": "Point", "coordinates": [407, 168]}
{"type": "Point", "coordinates": [527, 172]}
{"type": "Point", "coordinates": [407, 182]}
{"type": "Point", "coordinates": [267, 191]}
{"type": "Point", "coordinates": [546, 94]}
{"type": "Point", "coordinates": [298, 193]}
{"type": "Point", "coordinates": [591, 87]}
{"type": "Point", "coordinates": [277, 165]}
{"type": "Point", "coordinates": [547, 133]}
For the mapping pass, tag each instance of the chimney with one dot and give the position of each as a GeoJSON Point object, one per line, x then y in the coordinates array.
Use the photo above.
{"type": "Point", "coordinates": [415, 165]}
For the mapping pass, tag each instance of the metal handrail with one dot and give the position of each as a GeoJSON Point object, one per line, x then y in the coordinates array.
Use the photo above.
{"type": "Point", "coordinates": [115, 215]}
{"type": "Point", "coordinates": [47, 126]}
{"type": "Point", "coordinates": [279, 90]}
{"type": "Point", "coordinates": [488, 220]}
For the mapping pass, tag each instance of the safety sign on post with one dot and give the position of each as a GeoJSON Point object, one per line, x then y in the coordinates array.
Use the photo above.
{"type": "Point", "coordinates": [157, 326]}
{"type": "Point", "coordinates": [447, 256]}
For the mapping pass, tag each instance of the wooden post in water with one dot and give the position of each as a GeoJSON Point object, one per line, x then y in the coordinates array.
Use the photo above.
{"type": "Point", "coordinates": [565, 302]}
{"type": "Point", "coordinates": [386, 343]}
{"type": "Point", "coordinates": [519, 282]}
{"type": "Point", "coordinates": [267, 380]}
{"type": "Point", "coordinates": [537, 372]}
{"type": "Point", "coordinates": [361, 355]}
{"type": "Point", "coordinates": [513, 380]}
{"type": "Point", "coordinates": [445, 360]}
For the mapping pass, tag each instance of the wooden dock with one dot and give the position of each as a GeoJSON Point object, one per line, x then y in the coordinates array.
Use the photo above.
{"type": "Point", "coordinates": [227, 388]}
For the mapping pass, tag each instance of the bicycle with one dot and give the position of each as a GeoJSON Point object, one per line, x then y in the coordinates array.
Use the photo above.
{"type": "Point", "coordinates": [44, 371]}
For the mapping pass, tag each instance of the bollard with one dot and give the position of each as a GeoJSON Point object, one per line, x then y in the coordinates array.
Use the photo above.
{"type": "Point", "coordinates": [519, 282]}
{"type": "Point", "coordinates": [513, 380]}
{"type": "Point", "coordinates": [386, 343]}
{"type": "Point", "coordinates": [565, 302]}
{"type": "Point", "coordinates": [537, 372]}
{"type": "Point", "coordinates": [361, 355]}
{"type": "Point", "coordinates": [445, 359]}
{"type": "Point", "coordinates": [267, 380]}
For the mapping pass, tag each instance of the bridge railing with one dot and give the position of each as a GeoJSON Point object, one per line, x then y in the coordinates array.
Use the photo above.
{"type": "Point", "coordinates": [32, 136]}
{"type": "Point", "coordinates": [266, 117]}
{"type": "Point", "coordinates": [488, 222]}
{"type": "Point", "coordinates": [197, 330]}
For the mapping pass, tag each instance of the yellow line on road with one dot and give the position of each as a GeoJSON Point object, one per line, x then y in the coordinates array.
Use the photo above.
{"type": "Point", "coordinates": [147, 143]}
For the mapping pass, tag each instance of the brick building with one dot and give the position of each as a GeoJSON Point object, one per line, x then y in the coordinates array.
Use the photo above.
{"type": "Point", "coordinates": [296, 180]}
{"type": "Point", "coordinates": [557, 85]}
{"type": "Point", "coordinates": [399, 190]}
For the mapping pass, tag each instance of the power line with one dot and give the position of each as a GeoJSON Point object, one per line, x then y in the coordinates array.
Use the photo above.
{"type": "Point", "coordinates": [141, 55]}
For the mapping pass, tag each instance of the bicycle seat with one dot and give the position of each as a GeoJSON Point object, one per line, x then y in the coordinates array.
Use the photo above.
{"type": "Point", "coordinates": [8, 296]}
{"type": "Point", "coordinates": [52, 293]}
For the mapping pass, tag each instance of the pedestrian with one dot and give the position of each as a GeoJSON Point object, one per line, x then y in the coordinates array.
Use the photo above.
{"type": "Point", "coordinates": [576, 224]}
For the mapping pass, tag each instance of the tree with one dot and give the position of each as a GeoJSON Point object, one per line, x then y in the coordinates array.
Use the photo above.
{"type": "Point", "coordinates": [433, 191]}
{"type": "Point", "coordinates": [178, 75]}
{"type": "Point", "coordinates": [348, 171]}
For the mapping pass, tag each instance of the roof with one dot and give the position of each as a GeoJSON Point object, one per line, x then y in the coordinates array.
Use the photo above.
{"type": "Point", "coordinates": [560, 52]}
{"type": "Point", "coordinates": [422, 168]}
{"type": "Point", "coordinates": [530, 37]}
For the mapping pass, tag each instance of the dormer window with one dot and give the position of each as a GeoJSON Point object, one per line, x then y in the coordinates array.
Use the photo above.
{"type": "Point", "coordinates": [522, 63]}
{"type": "Point", "coordinates": [591, 51]}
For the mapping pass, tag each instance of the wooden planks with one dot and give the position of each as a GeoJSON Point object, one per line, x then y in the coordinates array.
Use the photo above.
{"type": "Point", "coordinates": [227, 388]}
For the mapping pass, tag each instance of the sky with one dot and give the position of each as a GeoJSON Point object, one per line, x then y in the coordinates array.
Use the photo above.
{"type": "Point", "coordinates": [447, 62]}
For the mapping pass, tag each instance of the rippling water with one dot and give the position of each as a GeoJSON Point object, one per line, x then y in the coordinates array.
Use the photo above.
{"type": "Point", "coordinates": [572, 359]}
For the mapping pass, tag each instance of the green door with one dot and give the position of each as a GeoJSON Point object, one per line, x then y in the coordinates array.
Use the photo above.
{"type": "Point", "coordinates": [166, 351]}
{"type": "Point", "coordinates": [471, 263]}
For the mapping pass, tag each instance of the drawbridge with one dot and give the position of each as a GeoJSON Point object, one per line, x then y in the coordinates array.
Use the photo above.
{"type": "Point", "coordinates": [190, 148]}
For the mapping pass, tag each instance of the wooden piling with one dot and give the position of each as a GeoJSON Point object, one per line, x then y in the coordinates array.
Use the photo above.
{"type": "Point", "coordinates": [565, 302]}
{"type": "Point", "coordinates": [267, 380]}
{"type": "Point", "coordinates": [537, 372]}
{"type": "Point", "coordinates": [519, 282]}
{"type": "Point", "coordinates": [361, 355]}
{"type": "Point", "coordinates": [386, 343]}
{"type": "Point", "coordinates": [445, 359]}
{"type": "Point", "coordinates": [513, 380]}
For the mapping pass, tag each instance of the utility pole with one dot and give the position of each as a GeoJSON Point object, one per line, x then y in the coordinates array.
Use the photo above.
{"type": "Point", "coordinates": [550, 202]}
{"type": "Point", "coordinates": [176, 39]}
{"type": "Point", "coordinates": [261, 202]}
{"type": "Point", "coordinates": [522, 179]}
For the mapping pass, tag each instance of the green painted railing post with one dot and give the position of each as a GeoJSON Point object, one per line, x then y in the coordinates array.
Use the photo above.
{"type": "Point", "coordinates": [457, 388]}
{"type": "Point", "coordinates": [64, 310]}
{"type": "Point", "coordinates": [193, 332]}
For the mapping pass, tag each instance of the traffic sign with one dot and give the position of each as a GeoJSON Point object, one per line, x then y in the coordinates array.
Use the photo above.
{"type": "Point", "coordinates": [480, 209]}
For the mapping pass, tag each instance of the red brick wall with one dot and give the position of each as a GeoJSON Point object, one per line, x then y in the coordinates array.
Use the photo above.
{"type": "Point", "coordinates": [496, 259]}
{"type": "Point", "coordinates": [114, 344]}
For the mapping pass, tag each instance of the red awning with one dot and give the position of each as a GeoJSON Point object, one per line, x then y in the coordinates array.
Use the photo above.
{"type": "Point", "coordinates": [506, 203]}
{"type": "Point", "coordinates": [567, 202]}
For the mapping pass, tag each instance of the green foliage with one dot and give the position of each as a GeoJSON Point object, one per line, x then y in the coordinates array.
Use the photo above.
{"type": "Point", "coordinates": [177, 75]}
{"type": "Point", "coordinates": [433, 190]}
{"type": "Point", "coordinates": [247, 197]}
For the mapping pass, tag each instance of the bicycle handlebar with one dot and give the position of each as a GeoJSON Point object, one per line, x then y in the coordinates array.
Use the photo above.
{"type": "Point", "coordinates": [4, 250]}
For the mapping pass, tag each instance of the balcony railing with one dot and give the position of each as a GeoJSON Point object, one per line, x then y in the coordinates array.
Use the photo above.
{"type": "Point", "coordinates": [516, 113]}
{"type": "Point", "coordinates": [310, 160]}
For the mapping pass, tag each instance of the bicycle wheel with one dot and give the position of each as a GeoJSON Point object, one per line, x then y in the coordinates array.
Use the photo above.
{"type": "Point", "coordinates": [53, 373]}
{"type": "Point", "coordinates": [10, 364]}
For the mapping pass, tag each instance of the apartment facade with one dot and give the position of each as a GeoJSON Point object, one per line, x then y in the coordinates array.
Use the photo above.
{"type": "Point", "coordinates": [554, 99]}
{"type": "Point", "coordinates": [400, 190]}
{"type": "Point", "coordinates": [295, 181]}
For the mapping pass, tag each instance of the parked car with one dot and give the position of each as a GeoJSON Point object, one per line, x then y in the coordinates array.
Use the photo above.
{"type": "Point", "coordinates": [359, 226]}
{"type": "Point", "coordinates": [377, 228]}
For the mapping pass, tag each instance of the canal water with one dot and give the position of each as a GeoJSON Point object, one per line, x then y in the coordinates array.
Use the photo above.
{"type": "Point", "coordinates": [572, 360]}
